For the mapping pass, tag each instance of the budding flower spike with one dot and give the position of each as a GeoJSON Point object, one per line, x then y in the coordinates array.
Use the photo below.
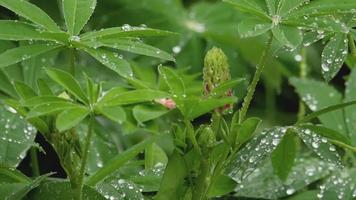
{"type": "Point", "coordinates": [216, 71]}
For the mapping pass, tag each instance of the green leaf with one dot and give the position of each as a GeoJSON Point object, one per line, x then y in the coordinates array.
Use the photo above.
{"type": "Point", "coordinates": [119, 188]}
{"type": "Point", "coordinates": [284, 155]}
{"type": "Point", "coordinates": [15, 30]}
{"type": "Point", "coordinates": [254, 7]}
{"type": "Point", "coordinates": [195, 107]}
{"type": "Point", "coordinates": [16, 137]}
{"type": "Point", "coordinates": [318, 95]}
{"type": "Point", "coordinates": [115, 113]}
{"type": "Point", "coordinates": [117, 162]}
{"type": "Point", "coordinates": [10, 175]}
{"type": "Point", "coordinates": [18, 54]}
{"type": "Point", "coordinates": [43, 87]}
{"type": "Point", "coordinates": [6, 85]}
{"type": "Point", "coordinates": [111, 60]}
{"type": "Point", "coordinates": [340, 185]}
{"type": "Point", "coordinates": [69, 118]}
{"type": "Point", "coordinates": [254, 27]}
{"type": "Point", "coordinates": [319, 145]}
{"type": "Point", "coordinates": [247, 129]}
{"type": "Point", "coordinates": [49, 108]}
{"type": "Point", "coordinates": [222, 186]}
{"type": "Point", "coordinates": [144, 113]}
{"type": "Point", "coordinates": [77, 13]}
{"type": "Point", "coordinates": [24, 91]}
{"type": "Point", "coordinates": [289, 36]}
{"type": "Point", "coordinates": [306, 195]}
{"type": "Point", "coordinates": [173, 178]}
{"type": "Point", "coordinates": [328, 133]}
{"type": "Point", "coordinates": [285, 7]}
{"type": "Point", "coordinates": [173, 80]}
{"type": "Point", "coordinates": [115, 97]}
{"type": "Point", "coordinates": [14, 191]}
{"type": "Point", "coordinates": [264, 184]}
{"type": "Point", "coordinates": [325, 7]}
{"type": "Point", "coordinates": [40, 100]}
{"type": "Point", "coordinates": [334, 56]}
{"type": "Point", "coordinates": [64, 190]}
{"type": "Point", "coordinates": [38, 123]}
{"type": "Point", "coordinates": [125, 31]}
{"type": "Point", "coordinates": [31, 12]}
{"type": "Point", "coordinates": [225, 86]}
{"type": "Point", "coordinates": [254, 153]}
{"type": "Point", "coordinates": [68, 82]}
{"type": "Point", "coordinates": [325, 110]}
{"type": "Point", "coordinates": [350, 112]}
{"type": "Point", "coordinates": [131, 45]}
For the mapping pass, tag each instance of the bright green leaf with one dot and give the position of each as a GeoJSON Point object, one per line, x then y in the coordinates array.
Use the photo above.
{"type": "Point", "coordinates": [284, 155]}
{"type": "Point", "coordinates": [71, 117]}
{"type": "Point", "coordinates": [334, 56]}
{"type": "Point", "coordinates": [31, 12]}
{"type": "Point", "coordinates": [18, 54]}
{"type": "Point", "coordinates": [68, 82]}
{"type": "Point", "coordinates": [253, 27]}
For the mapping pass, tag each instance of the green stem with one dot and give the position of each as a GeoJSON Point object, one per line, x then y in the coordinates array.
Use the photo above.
{"type": "Point", "coordinates": [85, 158]}
{"type": "Point", "coordinates": [255, 80]}
{"type": "Point", "coordinates": [203, 181]}
{"type": "Point", "coordinates": [302, 74]}
{"type": "Point", "coordinates": [34, 162]}
{"type": "Point", "coordinates": [352, 46]}
{"type": "Point", "coordinates": [72, 61]}
{"type": "Point", "coordinates": [341, 144]}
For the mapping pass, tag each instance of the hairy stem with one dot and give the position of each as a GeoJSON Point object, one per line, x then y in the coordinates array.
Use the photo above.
{"type": "Point", "coordinates": [343, 145]}
{"type": "Point", "coordinates": [255, 80]}
{"type": "Point", "coordinates": [34, 162]}
{"type": "Point", "coordinates": [84, 158]}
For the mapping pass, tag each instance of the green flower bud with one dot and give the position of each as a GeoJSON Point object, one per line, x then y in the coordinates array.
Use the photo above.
{"type": "Point", "coordinates": [216, 69]}
{"type": "Point", "coordinates": [206, 138]}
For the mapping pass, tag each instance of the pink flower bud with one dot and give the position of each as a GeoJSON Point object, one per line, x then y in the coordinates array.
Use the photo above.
{"type": "Point", "coordinates": [166, 102]}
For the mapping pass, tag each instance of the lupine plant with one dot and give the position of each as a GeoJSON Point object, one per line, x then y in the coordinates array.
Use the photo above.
{"type": "Point", "coordinates": [124, 126]}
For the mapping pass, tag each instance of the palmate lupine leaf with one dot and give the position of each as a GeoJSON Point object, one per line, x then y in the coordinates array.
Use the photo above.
{"type": "Point", "coordinates": [16, 30]}
{"type": "Point", "coordinates": [68, 82]}
{"type": "Point", "coordinates": [50, 108]}
{"type": "Point", "coordinates": [111, 60]}
{"type": "Point", "coordinates": [254, 153]}
{"type": "Point", "coordinates": [143, 113]}
{"type": "Point", "coordinates": [32, 13]}
{"type": "Point", "coordinates": [350, 112]}
{"type": "Point", "coordinates": [77, 13]}
{"type": "Point", "coordinates": [124, 31]}
{"type": "Point", "coordinates": [284, 155]}
{"type": "Point", "coordinates": [19, 189]}
{"type": "Point", "coordinates": [318, 95]}
{"type": "Point", "coordinates": [117, 188]}
{"type": "Point", "coordinates": [263, 183]}
{"type": "Point", "coordinates": [69, 118]}
{"type": "Point", "coordinates": [132, 45]}
{"type": "Point", "coordinates": [16, 137]}
{"type": "Point", "coordinates": [334, 55]}
{"type": "Point", "coordinates": [22, 53]}
{"type": "Point", "coordinates": [253, 27]}
{"type": "Point", "coordinates": [115, 97]}
{"type": "Point", "coordinates": [62, 189]}
{"type": "Point", "coordinates": [319, 145]}
{"type": "Point", "coordinates": [340, 185]}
